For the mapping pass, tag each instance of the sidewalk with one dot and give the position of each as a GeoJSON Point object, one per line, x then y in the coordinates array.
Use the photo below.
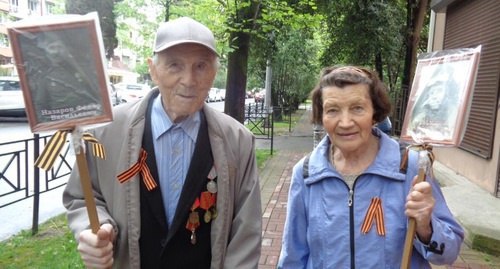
{"type": "Point", "coordinates": [275, 181]}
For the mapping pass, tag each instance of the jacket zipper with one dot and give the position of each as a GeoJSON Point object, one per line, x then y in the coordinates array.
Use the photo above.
{"type": "Point", "coordinates": [351, 224]}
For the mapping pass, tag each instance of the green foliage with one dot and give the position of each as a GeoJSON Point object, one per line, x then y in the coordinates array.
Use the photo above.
{"type": "Point", "coordinates": [358, 31]}
{"type": "Point", "coordinates": [295, 68]}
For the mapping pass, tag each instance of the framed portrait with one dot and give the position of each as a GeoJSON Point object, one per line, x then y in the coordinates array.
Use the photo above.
{"type": "Point", "coordinates": [60, 64]}
{"type": "Point", "coordinates": [440, 98]}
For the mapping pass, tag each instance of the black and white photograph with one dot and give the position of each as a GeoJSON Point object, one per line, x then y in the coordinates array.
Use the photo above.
{"type": "Point", "coordinates": [61, 73]}
{"type": "Point", "coordinates": [439, 98]}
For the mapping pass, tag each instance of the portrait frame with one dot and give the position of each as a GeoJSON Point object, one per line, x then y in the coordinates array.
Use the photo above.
{"type": "Point", "coordinates": [440, 98]}
{"type": "Point", "coordinates": [68, 93]}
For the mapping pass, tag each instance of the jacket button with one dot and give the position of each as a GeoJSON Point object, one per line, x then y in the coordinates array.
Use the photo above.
{"type": "Point", "coordinates": [163, 242]}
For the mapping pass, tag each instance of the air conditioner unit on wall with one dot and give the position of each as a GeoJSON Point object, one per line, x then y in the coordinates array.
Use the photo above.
{"type": "Point", "coordinates": [13, 8]}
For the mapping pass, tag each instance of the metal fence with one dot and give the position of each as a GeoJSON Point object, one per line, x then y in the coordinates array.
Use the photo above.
{"type": "Point", "coordinates": [21, 180]}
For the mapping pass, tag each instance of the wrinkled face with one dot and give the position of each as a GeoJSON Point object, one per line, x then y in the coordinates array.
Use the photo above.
{"type": "Point", "coordinates": [56, 51]}
{"type": "Point", "coordinates": [184, 75]}
{"type": "Point", "coordinates": [348, 116]}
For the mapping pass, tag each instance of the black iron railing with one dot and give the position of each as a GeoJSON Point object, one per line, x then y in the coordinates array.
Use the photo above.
{"type": "Point", "coordinates": [21, 180]}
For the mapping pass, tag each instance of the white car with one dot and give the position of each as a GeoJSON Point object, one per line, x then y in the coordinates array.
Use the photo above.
{"type": "Point", "coordinates": [222, 94]}
{"type": "Point", "coordinates": [213, 95]}
{"type": "Point", "coordinates": [11, 97]}
{"type": "Point", "coordinates": [131, 91]}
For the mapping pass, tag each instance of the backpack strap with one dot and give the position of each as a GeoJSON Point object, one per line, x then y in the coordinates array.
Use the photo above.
{"type": "Point", "coordinates": [305, 166]}
{"type": "Point", "coordinates": [403, 168]}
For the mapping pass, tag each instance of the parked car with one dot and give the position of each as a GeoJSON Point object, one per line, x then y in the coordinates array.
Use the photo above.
{"type": "Point", "coordinates": [132, 91]}
{"type": "Point", "coordinates": [11, 98]}
{"type": "Point", "coordinates": [260, 96]}
{"type": "Point", "coordinates": [213, 95]}
{"type": "Point", "coordinates": [114, 94]}
{"type": "Point", "coordinates": [222, 94]}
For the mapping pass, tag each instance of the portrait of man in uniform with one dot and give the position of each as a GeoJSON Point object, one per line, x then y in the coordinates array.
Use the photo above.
{"type": "Point", "coordinates": [436, 107]}
{"type": "Point", "coordinates": [67, 88]}
{"type": "Point", "coordinates": [61, 70]}
{"type": "Point", "coordinates": [440, 97]}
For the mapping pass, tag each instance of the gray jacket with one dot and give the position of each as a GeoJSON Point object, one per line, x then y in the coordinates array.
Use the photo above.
{"type": "Point", "coordinates": [236, 232]}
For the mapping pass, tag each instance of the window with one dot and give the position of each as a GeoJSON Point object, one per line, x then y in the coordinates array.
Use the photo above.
{"type": "Point", "coordinates": [33, 5]}
{"type": "Point", "coordinates": [49, 8]}
{"type": "Point", "coordinates": [4, 40]}
{"type": "Point", "coordinates": [3, 17]}
{"type": "Point", "coordinates": [14, 2]}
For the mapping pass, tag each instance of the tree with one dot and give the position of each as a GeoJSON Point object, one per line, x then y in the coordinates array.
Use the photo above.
{"type": "Point", "coordinates": [240, 22]}
{"type": "Point", "coordinates": [253, 23]}
{"type": "Point", "coordinates": [416, 11]}
{"type": "Point", "coordinates": [106, 19]}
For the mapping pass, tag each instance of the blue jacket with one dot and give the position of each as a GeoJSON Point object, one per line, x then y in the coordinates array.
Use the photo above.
{"type": "Point", "coordinates": [323, 231]}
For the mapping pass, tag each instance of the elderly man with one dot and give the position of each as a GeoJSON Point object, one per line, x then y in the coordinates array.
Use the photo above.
{"type": "Point", "coordinates": [196, 201]}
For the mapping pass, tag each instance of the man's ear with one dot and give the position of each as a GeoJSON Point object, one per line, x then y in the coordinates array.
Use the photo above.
{"type": "Point", "coordinates": [152, 70]}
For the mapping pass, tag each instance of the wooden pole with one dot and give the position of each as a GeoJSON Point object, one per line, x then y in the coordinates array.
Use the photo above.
{"type": "Point", "coordinates": [87, 190]}
{"type": "Point", "coordinates": [410, 233]}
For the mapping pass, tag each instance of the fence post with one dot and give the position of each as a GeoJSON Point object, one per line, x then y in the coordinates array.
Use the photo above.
{"type": "Point", "coordinates": [36, 179]}
{"type": "Point", "coordinates": [318, 134]}
{"type": "Point", "coordinates": [272, 128]}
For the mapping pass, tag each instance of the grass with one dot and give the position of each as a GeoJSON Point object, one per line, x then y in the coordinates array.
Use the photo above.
{"type": "Point", "coordinates": [53, 247]}
{"type": "Point", "coordinates": [280, 127]}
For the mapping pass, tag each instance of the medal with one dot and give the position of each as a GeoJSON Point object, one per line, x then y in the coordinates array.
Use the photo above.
{"type": "Point", "coordinates": [213, 173]}
{"type": "Point", "coordinates": [193, 221]}
{"type": "Point", "coordinates": [206, 202]}
{"type": "Point", "coordinates": [212, 186]}
{"type": "Point", "coordinates": [193, 237]}
{"type": "Point", "coordinates": [214, 212]}
{"type": "Point", "coordinates": [194, 218]}
{"type": "Point", "coordinates": [207, 217]}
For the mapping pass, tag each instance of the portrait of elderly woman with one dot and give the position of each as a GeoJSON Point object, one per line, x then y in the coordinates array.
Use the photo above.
{"type": "Point", "coordinates": [434, 114]}
{"type": "Point", "coordinates": [349, 202]}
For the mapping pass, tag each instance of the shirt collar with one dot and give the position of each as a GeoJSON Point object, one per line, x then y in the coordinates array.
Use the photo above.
{"type": "Point", "coordinates": [163, 124]}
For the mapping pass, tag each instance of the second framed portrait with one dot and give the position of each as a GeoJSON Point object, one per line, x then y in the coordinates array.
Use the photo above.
{"type": "Point", "coordinates": [60, 64]}
{"type": "Point", "coordinates": [440, 97]}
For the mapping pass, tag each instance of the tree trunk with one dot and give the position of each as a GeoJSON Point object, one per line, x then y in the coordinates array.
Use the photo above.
{"type": "Point", "coordinates": [379, 66]}
{"type": "Point", "coordinates": [237, 65]}
{"type": "Point", "coordinates": [237, 61]}
{"type": "Point", "coordinates": [415, 19]}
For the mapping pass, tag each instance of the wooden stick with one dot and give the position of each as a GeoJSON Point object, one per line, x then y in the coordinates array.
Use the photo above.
{"type": "Point", "coordinates": [410, 233]}
{"type": "Point", "coordinates": [87, 190]}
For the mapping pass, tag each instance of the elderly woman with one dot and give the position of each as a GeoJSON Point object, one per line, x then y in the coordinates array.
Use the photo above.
{"type": "Point", "coordinates": [352, 182]}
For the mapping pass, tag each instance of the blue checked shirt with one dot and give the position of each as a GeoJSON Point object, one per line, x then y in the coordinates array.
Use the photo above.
{"type": "Point", "coordinates": [162, 129]}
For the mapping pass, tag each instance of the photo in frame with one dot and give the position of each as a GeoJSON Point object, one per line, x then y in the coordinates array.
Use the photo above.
{"type": "Point", "coordinates": [60, 62]}
{"type": "Point", "coordinates": [440, 98]}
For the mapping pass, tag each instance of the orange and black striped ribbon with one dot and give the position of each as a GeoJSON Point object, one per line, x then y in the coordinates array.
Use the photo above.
{"type": "Point", "coordinates": [142, 167]}
{"type": "Point", "coordinates": [53, 148]}
{"type": "Point", "coordinates": [97, 148]}
{"type": "Point", "coordinates": [426, 147]}
{"type": "Point", "coordinates": [376, 212]}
